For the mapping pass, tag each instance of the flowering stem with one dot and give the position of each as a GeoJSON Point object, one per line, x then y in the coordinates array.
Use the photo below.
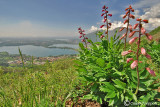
{"type": "Point", "coordinates": [107, 26]}
{"type": "Point", "coordinates": [126, 32]}
{"type": "Point", "coordinates": [137, 56]}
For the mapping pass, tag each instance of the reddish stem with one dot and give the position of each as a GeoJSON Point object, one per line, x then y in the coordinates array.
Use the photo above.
{"type": "Point", "coordinates": [137, 56]}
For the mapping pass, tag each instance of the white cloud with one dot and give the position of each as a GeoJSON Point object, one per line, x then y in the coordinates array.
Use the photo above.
{"type": "Point", "coordinates": [28, 29]}
{"type": "Point", "coordinates": [145, 3]}
{"type": "Point", "coordinates": [116, 24]}
{"type": "Point", "coordinates": [153, 15]}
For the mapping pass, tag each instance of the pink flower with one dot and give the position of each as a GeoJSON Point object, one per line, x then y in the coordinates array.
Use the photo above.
{"type": "Point", "coordinates": [143, 51]}
{"type": "Point", "coordinates": [126, 52]}
{"type": "Point", "coordinates": [135, 26]}
{"type": "Point", "coordinates": [134, 64]}
{"type": "Point", "coordinates": [123, 36]}
{"type": "Point", "coordinates": [101, 26]}
{"type": "Point", "coordinates": [126, 9]}
{"type": "Point", "coordinates": [127, 12]}
{"type": "Point", "coordinates": [130, 27]}
{"type": "Point", "coordinates": [110, 15]}
{"type": "Point", "coordinates": [143, 30]}
{"type": "Point", "coordinates": [83, 40]}
{"type": "Point", "coordinates": [129, 59]}
{"type": "Point", "coordinates": [79, 28]}
{"type": "Point", "coordinates": [105, 20]}
{"type": "Point", "coordinates": [110, 24]}
{"type": "Point", "coordinates": [132, 40]}
{"type": "Point", "coordinates": [151, 71]}
{"type": "Point", "coordinates": [86, 38]}
{"type": "Point", "coordinates": [148, 56]}
{"type": "Point", "coordinates": [131, 34]}
{"type": "Point", "coordinates": [106, 11]}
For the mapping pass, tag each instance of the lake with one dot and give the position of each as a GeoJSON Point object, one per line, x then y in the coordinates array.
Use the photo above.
{"type": "Point", "coordinates": [38, 51]}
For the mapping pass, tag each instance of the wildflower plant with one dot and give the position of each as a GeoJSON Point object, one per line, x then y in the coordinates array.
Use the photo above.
{"type": "Point", "coordinates": [107, 24]}
{"type": "Point", "coordinates": [82, 35]}
{"type": "Point", "coordinates": [140, 50]}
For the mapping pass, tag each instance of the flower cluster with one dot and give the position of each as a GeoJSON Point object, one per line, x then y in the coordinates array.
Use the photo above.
{"type": "Point", "coordinates": [140, 51]}
{"type": "Point", "coordinates": [128, 15]}
{"type": "Point", "coordinates": [107, 24]}
{"type": "Point", "coordinates": [82, 35]}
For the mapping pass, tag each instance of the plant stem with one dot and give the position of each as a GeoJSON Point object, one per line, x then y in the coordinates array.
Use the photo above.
{"type": "Point", "coordinates": [137, 56]}
{"type": "Point", "coordinates": [107, 26]}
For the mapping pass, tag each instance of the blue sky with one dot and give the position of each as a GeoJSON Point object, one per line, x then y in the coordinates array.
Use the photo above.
{"type": "Point", "coordinates": [42, 18]}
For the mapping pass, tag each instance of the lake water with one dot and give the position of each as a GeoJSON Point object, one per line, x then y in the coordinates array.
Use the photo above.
{"type": "Point", "coordinates": [65, 45]}
{"type": "Point", "coordinates": [38, 51]}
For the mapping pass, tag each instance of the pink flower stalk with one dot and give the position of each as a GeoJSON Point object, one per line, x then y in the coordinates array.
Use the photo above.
{"type": "Point", "coordinates": [143, 51]}
{"type": "Point", "coordinates": [148, 56]}
{"type": "Point", "coordinates": [151, 71]}
{"type": "Point", "coordinates": [134, 64]}
{"type": "Point", "coordinates": [126, 52]}
{"type": "Point", "coordinates": [129, 59]}
{"type": "Point", "coordinates": [132, 40]}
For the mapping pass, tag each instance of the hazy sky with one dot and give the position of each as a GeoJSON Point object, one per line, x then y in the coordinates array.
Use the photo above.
{"type": "Point", "coordinates": [42, 18]}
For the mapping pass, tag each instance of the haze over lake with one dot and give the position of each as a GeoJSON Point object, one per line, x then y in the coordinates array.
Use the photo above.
{"type": "Point", "coordinates": [37, 51]}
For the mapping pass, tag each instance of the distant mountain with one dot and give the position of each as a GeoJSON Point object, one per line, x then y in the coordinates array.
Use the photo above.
{"type": "Point", "coordinates": [95, 38]}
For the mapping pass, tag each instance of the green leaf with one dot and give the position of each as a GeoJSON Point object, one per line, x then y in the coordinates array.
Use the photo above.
{"type": "Point", "coordinates": [119, 84]}
{"type": "Point", "coordinates": [102, 79]}
{"type": "Point", "coordinates": [107, 87]}
{"type": "Point", "coordinates": [88, 96]}
{"type": "Point", "coordinates": [111, 102]}
{"type": "Point", "coordinates": [134, 97]}
{"type": "Point", "coordinates": [111, 94]}
{"type": "Point", "coordinates": [122, 97]}
{"type": "Point", "coordinates": [81, 46]}
{"type": "Point", "coordinates": [108, 66]}
{"type": "Point", "coordinates": [94, 87]}
{"type": "Point", "coordinates": [100, 62]}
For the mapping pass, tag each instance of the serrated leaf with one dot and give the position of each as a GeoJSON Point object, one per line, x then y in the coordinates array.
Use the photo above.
{"type": "Point", "coordinates": [111, 94]}
{"type": "Point", "coordinates": [94, 87]}
{"type": "Point", "coordinates": [81, 46]}
{"type": "Point", "coordinates": [88, 96]}
{"type": "Point", "coordinates": [100, 62]}
{"type": "Point", "coordinates": [111, 102]}
{"type": "Point", "coordinates": [119, 84]}
{"type": "Point", "coordinates": [122, 97]}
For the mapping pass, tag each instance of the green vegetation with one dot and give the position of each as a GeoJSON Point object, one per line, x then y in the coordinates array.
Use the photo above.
{"type": "Point", "coordinates": [41, 86]}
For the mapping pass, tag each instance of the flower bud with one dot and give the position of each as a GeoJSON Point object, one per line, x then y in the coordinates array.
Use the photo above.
{"type": "Point", "coordinates": [80, 36]}
{"type": "Point", "coordinates": [145, 21]}
{"type": "Point", "coordinates": [126, 52]}
{"type": "Point", "coordinates": [151, 71]}
{"type": "Point", "coordinates": [123, 36]}
{"type": "Point", "coordinates": [130, 27]}
{"type": "Point", "coordinates": [102, 36]}
{"type": "Point", "coordinates": [129, 59]}
{"type": "Point", "coordinates": [148, 56]}
{"type": "Point", "coordinates": [132, 10]}
{"type": "Point", "coordinates": [83, 40]}
{"type": "Point", "coordinates": [134, 64]}
{"type": "Point", "coordinates": [149, 37]}
{"type": "Point", "coordinates": [124, 16]}
{"type": "Point", "coordinates": [127, 12]}
{"type": "Point", "coordinates": [105, 20]}
{"type": "Point", "coordinates": [110, 15]}
{"type": "Point", "coordinates": [110, 24]}
{"type": "Point", "coordinates": [102, 14]}
{"type": "Point", "coordinates": [143, 51]}
{"type": "Point", "coordinates": [132, 40]}
{"type": "Point", "coordinates": [132, 16]}
{"type": "Point", "coordinates": [104, 7]}
{"type": "Point", "coordinates": [86, 38]}
{"type": "Point", "coordinates": [131, 34]}
{"type": "Point", "coordinates": [101, 26]}
{"type": "Point", "coordinates": [121, 29]}
{"type": "Point", "coordinates": [138, 19]}
{"type": "Point", "coordinates": [125, 21]}
{"type": "Point", "coordinates": [126, 9]}
{"type": "Point", "coordinates": [135, 26]}
{"type": "Point", "coordinates": [143, 31]}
